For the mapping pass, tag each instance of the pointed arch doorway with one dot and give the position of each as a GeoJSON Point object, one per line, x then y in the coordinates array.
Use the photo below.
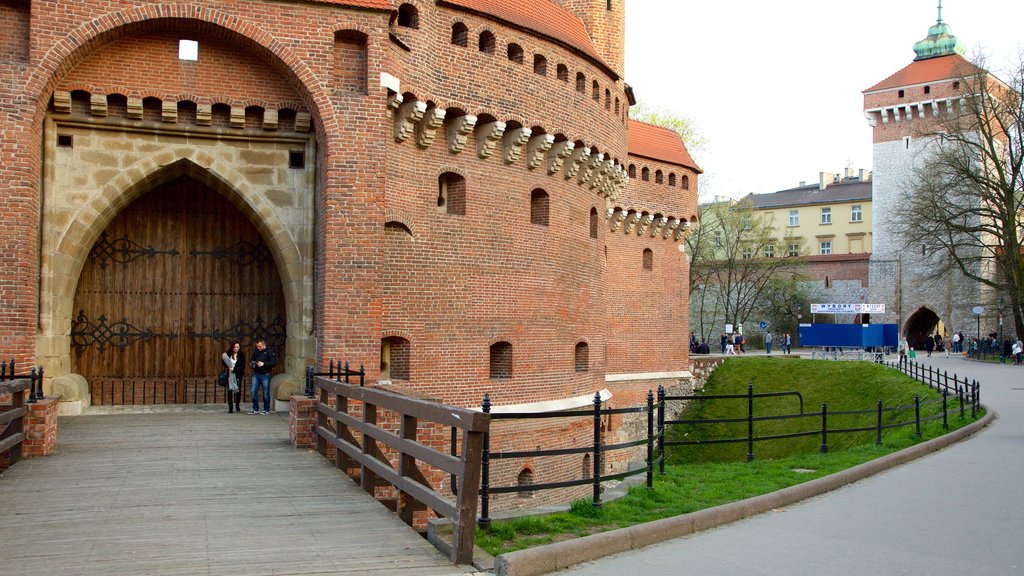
{"type": "Point", "coordinates": [920, 325]}
{"type": "Point", "coordinates": [173, 280]}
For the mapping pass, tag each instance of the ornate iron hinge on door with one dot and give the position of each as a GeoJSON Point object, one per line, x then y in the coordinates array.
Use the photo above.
{"type": "Point", "coordinates": [122, 250]}
{"type": "Point", "coordinates": [123, 334]}
{"type": "Point", "coordinates": [247, 333]}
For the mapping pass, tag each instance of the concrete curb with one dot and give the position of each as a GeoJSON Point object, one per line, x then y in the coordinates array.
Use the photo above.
{"type": "Point", "coordinates": [561, 555]}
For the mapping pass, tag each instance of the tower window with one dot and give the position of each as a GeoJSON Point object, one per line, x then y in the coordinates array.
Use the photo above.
{"type": "Point", "coordinates": [539, 206]}
{"type": "Point", "coordinates": [927, 89]}
{"type": "Point", "coordinates": [581, 82]}
{"type": "Point", "coordinates": [487, 42]}
{"type": "Point", "coordinates": [297, 159]}
{"type": "Point", "coordinates": [188, 50]}
{"type": "Point", "coordinates": [563, 73]}
{"type": "Point", "coordinates": [686, 182]}
{"type": "Point", "coordinates": [659, 177]}
{"type": "Point", "coordinates": [582, 357]}
{"type": "Point", "coordinates": [645, 174]}
{"type": "Point", "coordinates": [501, 360]}
{"type": "Point", "coordinates": [515, 53]}
{"type": "Point", "coordinates": [460, 34]}
{"type": "Point", "coordinates": [451, 194]}
{"type": "Point", "coordinates": [593, 222]}
{"type": "Point", "coordinates": [648, 259]}
{"type": "Point", "coordinates": [408, 17]}
{"type": "Point", "coordinates": [900, 93]}
{"type": "Point", "coordinates": [540, 65]}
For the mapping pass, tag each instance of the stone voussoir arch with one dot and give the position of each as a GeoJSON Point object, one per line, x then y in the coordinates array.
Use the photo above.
{"type": "Point", "coordinates": [95, 215]}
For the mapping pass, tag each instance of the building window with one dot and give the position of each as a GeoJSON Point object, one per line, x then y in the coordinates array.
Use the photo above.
{"type": "Point", "coordinates": [825, 247]}
{"type": "Point", "coordinates": [394, 358]}
{"type": "Point", "coordinates": [296, 159]}
{"type": "Point", "coordinates": [582, 357]}
{"type": "Point", "coordinates": [659, 178]}
{"type": "Point", "coordinates": [686, 182]}
{"type": "Point", "coordinates": [632, 171]}
{"type": "Point", "coordinates": [408, 17]}
{"type": "Point", "coordinates": [593, 222]}
{"type": "Point", "coordinates": [539, 206]}
{"type": "Point", "coordinates": [451, 194]}
{"type": "Point", "coordinates": [501, 360]}
{"type": "Point", "coordinates": [927, 89]}
{"type": "Point", "coordinates": [525, 479]}
{"type": "Point", "coordinates": [769, 251]}
{"type": "Point", "coordinates": [460, 34]}
{"type": "Point", "coordinates": [956, 85]}
{"type": "Point", "coordinates": [188, 50]}
{"type": "Point", "coordinates": [645, 174]}
{"type": "Point", "coordinates": [616, 105]}
{"type": "Point", "coordinates": [562, 73]}
{"type": "Point", "coordinates": [581, 82]}
{"type": "Point", "coordinates": [794, 217]}
{"type": "Point", "coordinates": [794, 249]}
{"type": "Point", "coordinates": [718, 238]}
{"type": "Point", "coordinates": [671, 179]}
{"type": "Point", "coordinates": [65, 141]}
{"type": "Point", "coordinates": [747, 253]}
{"type": "Point", "coordinates": [515, 53]}
{"type": "Point", "coordinates": [901, 93]}
{"type": "Point", "coordinates": [856, 215]}
{"type": "Point", "coordinates": [540, 65]}
{"type": "Point", "coordinates": [648, 259]}
{"type": "Point", "coordinates": [607, 99]}
{"type": "Point", "coordinates": [826, 215]}
{"type": "Point", "coordinates": [596, 92]}
{"type": "Point", "coordinates": [487, 42]}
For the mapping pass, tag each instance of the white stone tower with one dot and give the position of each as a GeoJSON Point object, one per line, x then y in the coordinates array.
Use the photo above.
{"type": "Point", "coordinates": [900, 109]}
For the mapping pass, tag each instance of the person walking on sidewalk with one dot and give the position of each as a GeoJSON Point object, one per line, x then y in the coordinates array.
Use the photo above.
{"type": "Point", "coordinates": [263, 361]}
{"type": "Point", "coordinates": [768, 342]}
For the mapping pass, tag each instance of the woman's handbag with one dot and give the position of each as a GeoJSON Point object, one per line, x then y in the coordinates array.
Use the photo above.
{"type": "Point", "coordinates": [222, 378]}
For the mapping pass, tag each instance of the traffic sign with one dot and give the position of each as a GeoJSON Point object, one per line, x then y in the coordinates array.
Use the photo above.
{"type": "Point", "coordinates": [763, 324]}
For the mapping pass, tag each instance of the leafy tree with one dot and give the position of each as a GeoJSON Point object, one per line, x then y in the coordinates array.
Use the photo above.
{"type": "Point", "coordinates": [730, 267]}
{"type": "Point", "coordinates": [968, 195]}
{"type": "Point", "coordinates": [683, 125]}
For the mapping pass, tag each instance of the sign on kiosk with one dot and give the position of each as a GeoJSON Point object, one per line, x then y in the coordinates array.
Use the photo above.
{"type": "Point", "coordinates": [847, 308]}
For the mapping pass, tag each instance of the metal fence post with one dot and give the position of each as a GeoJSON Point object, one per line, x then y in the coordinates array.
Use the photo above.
{"type": "Point", "coordinates": [39, 396]}
{"type": "Point", "coordinates": [661, 429]}
{"type": "Point", "coordinates": [945, 379]}
{"type": "Point", "coordinates": [597, 449]}
{"type": "Point", "coordinates": [960, 397]}
{"type": "Point", "coordinates": [878, 437]}
{"type": "Point", "coordinates": [330, 369]}
{"type": "Point", "coordinates": [917, 414]}
{"type": "Point", "coordinates": [750, 422]}
{"type": "Point", "coordinates": [945, 411]}
{"type": "Point", "coordinates": [650, 439]}
{"type": "Point", "coordinates": [974, 414]}
{"type": "Point", "coordinates": [309, 382]}
{"type": "Point", "coordinates": [824, 428]}
{"type": "Point", "coordinates": [32, 386]}
{"type": "Point", "coordinates": [485, 473]}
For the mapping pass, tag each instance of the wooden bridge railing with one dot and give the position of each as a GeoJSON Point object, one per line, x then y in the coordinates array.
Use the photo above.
{"type": "Point", "coordinates": [415, 492]}
{"type": "Point", "coordinates": [12, 419]}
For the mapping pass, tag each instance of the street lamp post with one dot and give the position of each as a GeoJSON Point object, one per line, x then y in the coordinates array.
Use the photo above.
{"type": "Point", "coordinates": [978, 311]}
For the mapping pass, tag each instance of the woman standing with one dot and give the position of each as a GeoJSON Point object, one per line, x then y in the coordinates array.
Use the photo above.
{"type": "Point", "coordinates": [234, 363]}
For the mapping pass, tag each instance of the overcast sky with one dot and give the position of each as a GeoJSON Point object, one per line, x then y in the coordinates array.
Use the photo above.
{"type": "Point", "coordinates": [775, 87]}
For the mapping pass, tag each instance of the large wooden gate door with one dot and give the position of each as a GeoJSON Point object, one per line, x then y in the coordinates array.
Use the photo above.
{"type": "Point", "coordinates": [174, 279]}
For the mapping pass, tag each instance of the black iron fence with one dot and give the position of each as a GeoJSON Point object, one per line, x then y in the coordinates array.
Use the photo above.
{"type": "Point", "coordinates": [987, 350]}
{"type": "Point", "coordinates": [957, 395]}
{"type": "Point", "coordinates": [34, 376]}
{"type": "Point", "coordinates": [596, 450]}
{"type": "Point", "coordinates": [15, 393]}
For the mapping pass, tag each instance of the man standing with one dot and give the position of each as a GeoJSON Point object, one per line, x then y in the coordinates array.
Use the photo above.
{"type": "Point", "coordinates": [263, 360]}
{"type": "Point", "coordinates": [768, 341]}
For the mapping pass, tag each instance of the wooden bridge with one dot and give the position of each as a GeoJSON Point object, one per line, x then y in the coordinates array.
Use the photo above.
{"type": "Point", "coordinates": [197, 491]}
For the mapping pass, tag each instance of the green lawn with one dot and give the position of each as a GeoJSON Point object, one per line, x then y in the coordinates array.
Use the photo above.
{"type": "Point", "coordinates": [705, 476]}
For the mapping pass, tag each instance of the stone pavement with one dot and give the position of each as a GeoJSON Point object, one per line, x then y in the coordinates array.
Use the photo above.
{"type": "Point", "coordinates": [196, 492]}
{"type": "Point", "coordinates": [957, 511]}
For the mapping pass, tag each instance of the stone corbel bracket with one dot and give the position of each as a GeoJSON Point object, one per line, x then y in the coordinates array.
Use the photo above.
{"type": "Point", "coordinates": [600, 179]}
{"type": "Point", "coordinates": [426, 128]}
{"type": "Point", "coordinates": [615, 218]}
{"type": "Point", "coordinates": [587, 170]}
{"type": "Point", "coordinates": [487, 138]}
{"type": "Point", "coordinates": [630, 222]}
{"type": "Point", "coordinates": [558, 153]}
{"type": "Point", "coordinates": [578, 157]}
{"type": "Point", "coordinates": [672, 226]}
{"type": "Point", "coordinates": [537, 148]}
{"type": "Point", "coordinates": [659, 226]}
{"type": "Point", "coordinates": [98, 105]}
{"type": "Point", "coordinates": [682, 231]}
{"type": "Point", "coordinates": [408, 115]}
{"type": "Point", "coordinates": [62, 102]}
{"type": "Point", "coordinates": [459, 130]}
{"type": "Point", "coordinates": [513, 142]}
{"type": "Point", "coordinates": [394, 102]}
{"type": "Point", "coordinates": [642, 225]}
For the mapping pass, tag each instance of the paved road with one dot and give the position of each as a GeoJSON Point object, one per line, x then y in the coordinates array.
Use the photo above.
{"type": "Point", "coordinates": [959, 511]}
{"type": "Point", "coordinates": [196, 492]}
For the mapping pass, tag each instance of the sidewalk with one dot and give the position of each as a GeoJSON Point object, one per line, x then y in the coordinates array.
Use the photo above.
{"type": "Point", "coordinates": [955, 512]}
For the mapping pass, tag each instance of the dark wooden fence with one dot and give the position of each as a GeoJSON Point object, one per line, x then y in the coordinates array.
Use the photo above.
{"type": "Point", "coordinates": [16, 392]}
{"type": "Point", "coordinates": [361, 443]}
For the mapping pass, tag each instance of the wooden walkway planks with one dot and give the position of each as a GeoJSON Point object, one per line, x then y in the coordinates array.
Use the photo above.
{"type": "Point", "coordinates": [199, 492]}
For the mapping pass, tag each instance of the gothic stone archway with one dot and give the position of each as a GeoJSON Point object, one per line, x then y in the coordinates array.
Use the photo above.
{"type": "Point", "coordinates": [920, 325]}
{"type": "Point", "coordinates": [173, 279]}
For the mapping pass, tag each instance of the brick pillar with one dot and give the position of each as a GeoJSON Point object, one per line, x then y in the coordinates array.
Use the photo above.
{"type": "Point", "coordinates": [40, 428]}
{"type": "Point", "coordinates": [302, 421]}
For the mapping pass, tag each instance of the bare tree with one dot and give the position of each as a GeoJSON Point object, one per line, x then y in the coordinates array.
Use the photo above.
{"type": "Point", "coordinates": [734, 258]}
{"type": "Point", "coordinates": [968, 195]}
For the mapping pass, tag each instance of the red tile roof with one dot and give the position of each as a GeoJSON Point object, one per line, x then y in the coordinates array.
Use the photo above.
{"type": "Point", "coordinates": [659, 143]}
{"type": "Point", "coordinates": [373, 4]}
{"type": "Point", "coordinates": [542, 16]}
{"type": "Point", "coordinates": [930, 70]}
